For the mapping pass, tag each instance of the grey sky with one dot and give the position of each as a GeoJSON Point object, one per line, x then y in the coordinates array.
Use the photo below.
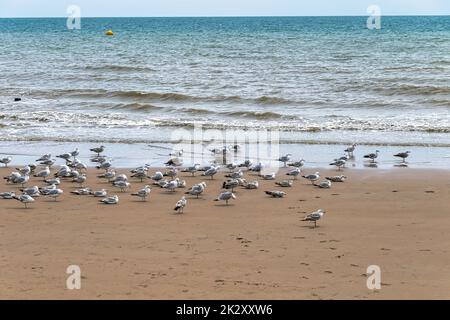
{"type": "Point", "coordinates": [150, 8]}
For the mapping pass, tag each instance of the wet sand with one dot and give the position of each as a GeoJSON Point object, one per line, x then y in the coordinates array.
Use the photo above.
{"type": "Point", "coordinates": [255, 248]}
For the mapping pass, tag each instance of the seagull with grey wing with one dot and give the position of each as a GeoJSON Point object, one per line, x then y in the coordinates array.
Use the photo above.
{"type": "Point", "coordinates": [339, 163]}
{"type": "Point", "coordinates": [312, 177]}
{"type": "Point", "coordinates": [25, 199]}
{"type": "Point", "coordinates": [276, 194]}
{"type": "Point", "coordinates": [110, 200]}
{"type": "Point", "coordinates": [285, 159]}
{"type": "Point", "coordinates": [143, 193]}
{"type": "Point", "coordinates": [314, 217]}
{"type": "Point", "coordinates": [225, 196]}
{"type": "Point", "coordinates": [403, 155]}
{"type": "Point", "coordinates": [6, 161]}
{"type": "Point", "coordinates": [197, 190]}
{"type": "Point", "coordinates": [372, 156]}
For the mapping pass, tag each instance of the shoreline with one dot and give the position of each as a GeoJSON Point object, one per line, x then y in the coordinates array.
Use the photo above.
{"type": "Point", "coordinates": [255, 248]}
{"type": "Point", "coordinates": [316, 155]}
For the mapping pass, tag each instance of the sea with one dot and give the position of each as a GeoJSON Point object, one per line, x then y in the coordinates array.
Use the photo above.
{"type": "Point", "coordinates": [314, 81]}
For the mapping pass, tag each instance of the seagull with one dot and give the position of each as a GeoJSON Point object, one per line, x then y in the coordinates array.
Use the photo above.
{"type": "Point", "coordinates": [12, 177]}
{"type": "Point", "coordinates": [257, 168]}
{"type": "Point", "coordinates": [65, 156]}
{"type": "Point", "coordinates": [31, 191]}
{"type": "Point", "coordinates": [295, 173]}
{"type": "Point", "coordinates": [337, 178]}
{"type": "Point", "coordinates": [172, 173]}
{"type": "Point", "coordinates": [246, 164]}
{"type": "Point", "coordinates": [174, 162]}
{"type": "Point", "coordinates": [7, 195]}
{"type": "Point", "coordinates": [25, 199]}
{"type": "Point", "coordinates": [180, 205]}
{"type": "Point", "coordinates": [171, 185]}
{"type": "Point", "coordinates": [225, 196]}
{"type": "Point", "coordinates": [197, 189]}
{"type": "Point", "coordinates": [230, 184]}
{"type": "Point", "coordinates": [269, 176]}
{"type": "Point", "coordinates": [25, 170]}
{"type": "Point", "coordinates": [99, 193]}
{"type": "Point", "coordinates": [157, 176]}
{"type": "Point", "coordinates": [98, 150]}
{"type": "Point", "coordinates": [105, 165]}
{"type": "Point", "coordinates": [350, 150]}
{"type": "Point", "coordinates": [143, 193]}
{"type": "Point", "coordinates": [64, 172]}
{"type": "Point", "coordinates": [82, 192]}
{"type": "Point", "coordinates": [140, 175]}
{"type": "Point", "coordinates": [235, 175]}
{"type": "Point", "coordinates": [109, 175]}
{"type": "Point", "coordinates": [372, 156]}
{"type": "Point", "coordinates": [80, 179]}
{"type": "Point", "coordinates": [285, 183]}
{"type": "Point", "coordinates": [46, 190]}
{"type": "Point", "coordinates": [5, 161]}
{"type": "Point", "coordinates": [314, 217]}
{"type": "Point", "coordinates": [339, 163]}
{"type": "Point", "coordinates": [48, 162]}
{"type": "Point", "coordinates": [120, 177]}
{"type": "Point", "coordinates": [312, 177]}
{"type": "Point", "coordinates": [231, 166]}
{"type": "Point", "coordinates": [211, 172]}
{"type": "Point", "coordinates": [55, 193]}
{"type": "Point", "coordinates": [285, 158]}
{"type": "Point", "coordinates": [110, 200]}
{"type": "Point", "coordinates": [402, 155]}
{"type": "Point", "coordinates": [56, 181]}
{"type": "Point", "coordinates": [193, 169]}
{"type": "Point", "coordinates": [252, 185]}
{"type": "Point", "coordinates": [44, 157]}
{"type": "Point", "coordinates": [43, 173]}
{"type": "Point", "coordinates": [75, 153]}
{"type": "Point", "coordinates": [276, 194]}
{"type": "Point", "coordinates": [122, 185]}
{"type": "Point", "coordinates": [21, 180]}
{"type": "Point", "coordinates": [325, 184]}
{"type": "Point", "coordinates": [297, 164]}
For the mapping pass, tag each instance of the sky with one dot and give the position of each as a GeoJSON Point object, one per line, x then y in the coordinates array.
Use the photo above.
{"type": "Point", "coordinates": [169, 8]}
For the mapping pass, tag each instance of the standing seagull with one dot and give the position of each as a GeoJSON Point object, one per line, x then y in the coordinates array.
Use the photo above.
{"type": "Point", "coordinates": [143, 193]}
{"type": "Point", "coordinates": [180, 205]}
{"type": "Point", "coordinates": [350, 150]}
{"type": "Point", "coordinates": [403, 155]}
{"type": "Point", "coordinates": [285, 159]}
{"type": "Point", "coordinates": [211, 172]}
{"type": "Point", "coordinates": [295, 173]}
{"type": "Point", "coordinates": [25, 199]}
{"type": "Point", "coordinates": [372, 156]}
{"type": "Point", "coordinates": [5, 161]}
{"type": "Point", "coordinates": [43, 173]}
{"type": "Point", "coordinates": [197, 189]}
{"type": "Point", "coordinates": [314, 217]}
{"type": "Point", "coordinates": [312, 177]}
{"type": "Point", "coordinates": [225, 196]}
{"type": "Point", "coordinates": [339, 163]}
{"type": "Point", "coordinates": [98, 150]}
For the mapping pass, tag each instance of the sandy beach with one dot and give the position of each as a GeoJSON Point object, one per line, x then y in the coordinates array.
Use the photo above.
{"type": "Point", "coordinates": [255, 248]}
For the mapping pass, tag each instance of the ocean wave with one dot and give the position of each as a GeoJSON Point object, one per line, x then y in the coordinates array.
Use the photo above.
{"type": "Point", "coordinates": [411, 89]}
{"type": "Point", "coordinates": [134, 95]}
{"type": "Point", "coordinates": [118, 68]}
{"type": "Point", "coordinates": [124, 140]}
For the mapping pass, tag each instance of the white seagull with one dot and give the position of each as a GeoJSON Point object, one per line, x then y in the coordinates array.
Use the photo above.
{"type": "Point", "coordinates": [314, 217]}
{"type": "Point", "coordinates": [225, 196]}
{"type": "Point", "coordinates": [180, 205]}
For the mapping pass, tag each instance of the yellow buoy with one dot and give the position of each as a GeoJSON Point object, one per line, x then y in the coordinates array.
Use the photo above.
{"type": "Point", "coordinates": [109, 32]}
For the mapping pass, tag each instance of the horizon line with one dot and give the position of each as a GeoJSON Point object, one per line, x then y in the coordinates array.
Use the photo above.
{"type": "Point", "coordinates": [225, 16]}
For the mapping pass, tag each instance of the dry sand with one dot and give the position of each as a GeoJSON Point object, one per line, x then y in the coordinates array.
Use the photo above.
{"type": "Point", "coordinates": [255, 248]}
